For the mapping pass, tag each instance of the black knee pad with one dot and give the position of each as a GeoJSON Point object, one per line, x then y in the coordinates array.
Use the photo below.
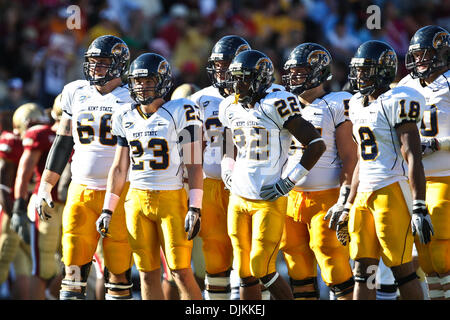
{"type": "Point", "coordinates": [343, 288]}
{"type": "Point", "coordinates": [76, 284]}
{"type": "Point", "coordinates": [401, 281]}
{"type": "Point", "coordinates": [304, 282]}
{"type": "Point", "coordinates": [117, 287]}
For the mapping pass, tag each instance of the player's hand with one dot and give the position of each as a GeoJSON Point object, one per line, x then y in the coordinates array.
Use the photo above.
{"type": "Point", "coordinates": [226, 178]}
{"type": "Point", "coordinates": [429, 145]}
{"type": "Point", "coordinates": [421, 222]}
{"type": "Point", "coordinates": [192, 222]}
{"type": "Point", "coordinates": [103, 222]}
{"type": "Point", "coordinates": [336, 210]}
{"type": "Point", "coordinates": [276, 190]}
{"type": "Point", "coordinates": [19, 220]}
{"type": "Point", "coordinates": [342, 226]}
{"type": "Point", "coordinates": [44, 199]}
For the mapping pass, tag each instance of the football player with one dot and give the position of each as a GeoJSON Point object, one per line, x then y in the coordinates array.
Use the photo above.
{"type": "Point", "coordinates": [217, 250]}
{"type": "Point", "coordinates": [86, 126]}
{"type": "Point", "coordinates": [156, 140]}
{"type": "Point", "coordinates": [261, 125]}
{"type": "Point", "coordinates": [308, 237]}
{"type": "Point", "coordinates": [45, 235]}
{"type": "Point", "coordinates": [10, 152]}
{"type": "Point", "coordinates": [428, 61]}
{"type": "Point", "coordinates": [380, 223]}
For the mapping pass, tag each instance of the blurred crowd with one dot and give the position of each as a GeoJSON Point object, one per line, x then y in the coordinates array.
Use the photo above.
{"type": "Point", "coordinates": [39, 53]}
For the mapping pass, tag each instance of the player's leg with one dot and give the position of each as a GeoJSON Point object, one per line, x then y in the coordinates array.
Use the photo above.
{"type": "Point", "coordinates": [144, 241]}
{"type": "Point", "coordinates": [395, 236]}
{"type": "Point", "coordinates": [9, 245]}
{"type": "Point", "coordinates": [332, 256]}
{"type": "Point", "coordinates": [45, 242]}
{"type": "Point", "coordinates": [79, 239]}
{"type": "Point", "coordinates": [217, 250]}
{"type": "Point", "coordinates": [364, 248]}
{"type": "Point", "coordinates": [118, 255]}
{"type": "Point", "coordinates": [171, 212]}
{"type": "Point", "coordinates": [169, 287]}
{"type": "Point", "coordinates": [240, 232]}
{"type": "Point", "coordinates": [299, 258]}
{"type": "Point", "coordinates": [268, 221]}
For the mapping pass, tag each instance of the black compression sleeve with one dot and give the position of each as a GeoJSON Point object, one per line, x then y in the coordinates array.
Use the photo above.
{"type": "Point", "coordinates": [59, 153]}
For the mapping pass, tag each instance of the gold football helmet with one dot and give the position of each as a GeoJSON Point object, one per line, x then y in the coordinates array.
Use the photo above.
{"type": "Point", "coordinates": [26, 116]}
{"type": "Point", "coordinates": [184, 91]}
{"type": "Point", "coordinates": [56, 112]}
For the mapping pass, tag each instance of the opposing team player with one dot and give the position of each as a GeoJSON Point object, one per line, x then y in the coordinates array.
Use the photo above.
{"type": "Point", "coordinates": [157, 139]}
{"type": "Point", "coordinates": [428, 61]}
{"type": "Point", "coordinates": [385, 128]}
{"type": "Point", "coordinates": [86, 126]}
{"type": "Point", "coordinates": [45, 235]}
{"type": "Point", "coordinates": [217, 250]}
{"type": "Point", "coordinates": [10, 151]}
{"type": "Point", "coordinates": [308, 237]}
{"type": "Point", "coordinates": [261, 125]}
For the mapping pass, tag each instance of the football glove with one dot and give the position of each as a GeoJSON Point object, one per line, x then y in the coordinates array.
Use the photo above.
{"type": "Point", "coordinates": [429, 145]}
{"type": "Point", "coordinates": [192, 222]}
{"type": "Point", "coordinates": [226, 178]}
{"type": "Point", "coordinates": [19, 220]}
{"type": "Point", "coordinates": [276, 190]}
{"type": "Point", "coordinates": [44, 199]}
{"type": "Point", "coordinates": [421, 222]}
{"type": "Point", "coordinates": [336, 210]}
{"type": "Point", "coordinates": [103, 222]}
{"type": "Point", "coordinates": [342, 226]}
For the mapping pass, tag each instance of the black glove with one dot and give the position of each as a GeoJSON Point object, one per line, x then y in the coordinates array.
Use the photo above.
{"type": "Point", "coordinates": [192, 222]}
{"type": "Point", "coordinates": [19, 220]}
{"type": "Point", "coordinates": [429, 145]}
{"type": "Point", "coordinates": [342, 233]}
{"type": "Point", "coordinates": [421, 222]}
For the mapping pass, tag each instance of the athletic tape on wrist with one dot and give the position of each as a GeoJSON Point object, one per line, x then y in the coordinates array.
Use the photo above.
{"type": "Point", "coordinates": [111, 201]}
{"type": "Point", "coordinates": [297, 173]}
{"type": "Point", "coordinates": [444, 143]}
{"type": "Point", "coordinates": [44, 185]}
{"type": "Point", "coordinates": [195, 198]}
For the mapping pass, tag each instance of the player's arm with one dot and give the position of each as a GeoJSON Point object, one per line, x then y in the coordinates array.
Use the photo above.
{"type": "Point", "coordinates": [57, 159]}
{"type": "Point", "coordinates": [117, 177]}
{"type": "Point", "coordinates": [19, 221]}
{"type": "Point", "coordinates": [229, 152]}
{"type": "Point", "coordinates": [191, 142]}
{"type": "Point", "coordinates": [409, 138]}
{"type": "Point", "coordinates": [8, 171]}
{"type": "Point", "coordinates": [347, 151]}
{"type": "Point", "coordinates": [306, 134]}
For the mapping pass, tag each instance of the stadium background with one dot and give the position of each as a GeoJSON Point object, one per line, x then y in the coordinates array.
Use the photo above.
{"type": "Point", "coordinates": [40, 54]}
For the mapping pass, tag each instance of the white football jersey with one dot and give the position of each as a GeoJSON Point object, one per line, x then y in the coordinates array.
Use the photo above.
{"type": "Point", "coordinates": [436, 120]}
{"type": "Point", "coordinates": [381, 162]}
{"type": "Point", "coordinates": [262, 141]}
{"type": "Point", "coordinates": [208, 99]}
{"type": "Point", "coordinates": [155, 150]}
{"type": "Point", "coordinates": [325, 114]}
{"type": "Point", "coordinates": [90, 113]}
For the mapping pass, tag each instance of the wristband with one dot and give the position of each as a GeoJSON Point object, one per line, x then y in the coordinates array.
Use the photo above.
{"type": "Point", "coordinates": [344, 192]}
{"type": "Point", "coordinates": [47, 187]}
{"type": "Point", "coordinates": [111, 201]}
{"type": "Point", "coordinates": [348, 206]}
{"type": "Point", "coordinates": [419, 204]}
{"type": "Point", "coordinates": [443, 143]}
{"type": "Point", "coordinates": [297, 173]}
{"type": "Point", "coordinates": [227, 164]}
{"type": "Point", "coordinates": [195, 198]}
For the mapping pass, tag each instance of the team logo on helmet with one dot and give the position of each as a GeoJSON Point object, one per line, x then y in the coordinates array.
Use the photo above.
{"type": "Point", "coordinates": [440, 39]}
{"type": "Point", "coordinates": [119, 49]}
{"type": "Point", "coordinates": [318, 57]}
{"type": "Point", "coordinates": [163, 67]}
{"type": "Point", "coordinates": [388, 58]}
{"type": "Point", "coordinates": [263, 63]}
{"type": "Point", "coordinates": [241, 48]}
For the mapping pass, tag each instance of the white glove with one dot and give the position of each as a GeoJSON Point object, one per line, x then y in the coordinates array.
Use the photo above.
{"type": "Point", "coordinates": [276, 190]}
{"type": "Point", "coordinates": [336, 210]}
{"type": "Point", "coordinates": [192, 222]}
{"type": "Point", "coordinates": [421, 222]}
{"type": "Point", "coordinates": [429, 145]}
{"type": "Point", "coordinates": [44, 198]}
{"type": "Point", "coordinates": [103, 222]}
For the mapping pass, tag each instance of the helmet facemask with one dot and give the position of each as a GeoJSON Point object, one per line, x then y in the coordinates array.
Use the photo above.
{"type": "Point", "coordinates": [217, 70]}
{"type": "Point", "coordinates": [246, 84]}
{"type": "Point", "coordinates": [144, 91]}
{"type": "Point", "coordinates": [297, 81]}
{"type": "Point", "coordinates": [417, 59]}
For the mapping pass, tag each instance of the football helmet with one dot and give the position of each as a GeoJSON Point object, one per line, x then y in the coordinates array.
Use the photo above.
{"type": "Point", "coordinates": [106, 47]}
{"type": "Point", "coordinates": [374, 66]}
{"type": "Point", "coordinates": [317, 61]}
{"type": "Point", "coordinates": [26, 116]}
{"type": "Point", "coordinates": [249, 75]}
{"type": "Point", "coordinates": [224, 51]}
{"type": "Point", "coordinates": [56, 112]}
{"type": "Point", "coordinates": [429, 50]}
{"type": "Point", "coordinates": [153, 66]}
